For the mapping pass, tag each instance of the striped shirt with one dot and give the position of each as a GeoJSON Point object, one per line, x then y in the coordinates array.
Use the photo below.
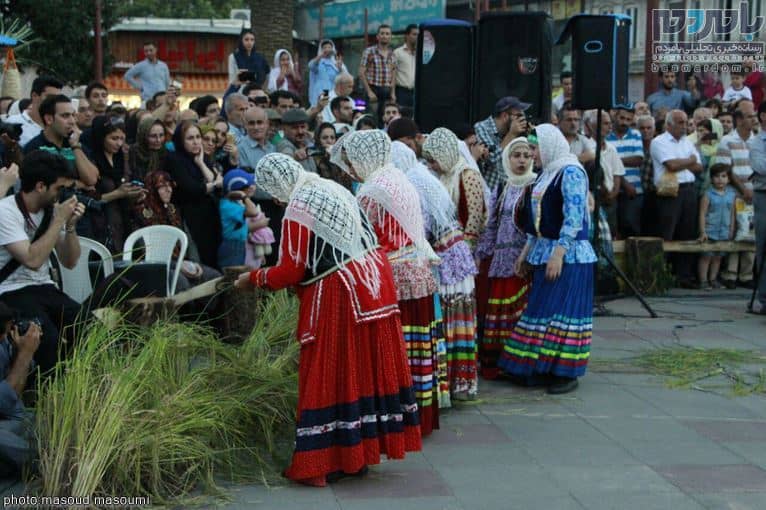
{"type": "Point", "coordinates": [630, 145]}
{"type": "Point", "coordinates": [733, 151]}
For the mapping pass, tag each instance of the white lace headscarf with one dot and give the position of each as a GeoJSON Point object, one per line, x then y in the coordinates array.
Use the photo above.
{"type": "Point", "coordinates": [386, 189]}
{"type": "Point", "coordinates": [526, 177]}
{"type": "Point", "coordinates": [439, 212]}
{"type": "Point", "coordinates": [554, 156]}
{"type": "Point", "coordinates": [442, 145]}
{"type": "Point", "coordinates": [327, 209]}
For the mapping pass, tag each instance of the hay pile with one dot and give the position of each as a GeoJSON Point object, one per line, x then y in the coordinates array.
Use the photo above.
{"type": "Point", "coordinates": [167, 410]}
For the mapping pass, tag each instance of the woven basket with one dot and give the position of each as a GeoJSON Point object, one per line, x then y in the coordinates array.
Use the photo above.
{"type": "Point", "coordinates": [11, 77]}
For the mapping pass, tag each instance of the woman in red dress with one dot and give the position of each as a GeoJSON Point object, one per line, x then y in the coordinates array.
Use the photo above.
{"type": "Point", "coordinates": [355, 395]}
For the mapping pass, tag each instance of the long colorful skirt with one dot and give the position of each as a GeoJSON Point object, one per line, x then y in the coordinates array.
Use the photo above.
{"type": "Point", "coordinates": [437, 331]}
{"type": "Point", "coordinates": [355, 395]}
{"type": "Point", "coordinates": [507, 300]}
{"type": "Point", "coordinates": [459, 309]}
{"type": "Point", "coordinates": [418, 321]}
{"type": "Point", "coordinates": [554, 333]}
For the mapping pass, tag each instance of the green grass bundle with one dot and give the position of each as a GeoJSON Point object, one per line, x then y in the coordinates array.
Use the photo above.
{"type": "Point", "coordinates": [167, 410]}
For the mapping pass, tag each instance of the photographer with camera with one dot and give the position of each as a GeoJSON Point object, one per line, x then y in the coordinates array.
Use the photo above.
{"type": "Point", "coordinates": [506, 123]}
{"type": "Point", "coordinates": [32, 223]}
{"type": "Point", "coordinates": [61, 136]}
{"type": "Point", "coordinates": [18, 344]}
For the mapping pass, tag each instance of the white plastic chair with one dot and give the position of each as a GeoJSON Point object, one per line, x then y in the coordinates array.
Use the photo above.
{"type": "Point", "coordinates": [76, 282]}
{"type": "Point", "coordinates": [159, 243]}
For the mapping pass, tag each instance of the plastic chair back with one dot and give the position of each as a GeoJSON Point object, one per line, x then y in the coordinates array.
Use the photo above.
{"type": "Point", "coordinates": [76, 282]}
{"type": "Point", "coordinates": [159, 243]}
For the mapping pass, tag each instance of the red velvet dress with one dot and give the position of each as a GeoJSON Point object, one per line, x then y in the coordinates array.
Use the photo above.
{"type": "Point", "coordinates": [355, 395]}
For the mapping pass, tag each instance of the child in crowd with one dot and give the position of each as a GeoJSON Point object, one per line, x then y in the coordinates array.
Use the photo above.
{"type": "Point", "coordinates": [737, 90]}
{"type": "Point", "coordinates": [246, 236]}
{"type": "Point", "coordinates": [716, 222]}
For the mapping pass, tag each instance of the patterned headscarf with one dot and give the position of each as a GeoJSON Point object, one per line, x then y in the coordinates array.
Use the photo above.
{"type": "Point", "coordinates": [386, 189]}
{"type": "Point", "coordinates": [152, 210]}
{"type": "Point", "coordinates": [327, 209]}
{"type": "Point", "coordinates": [442, 145]}
{"type": "Point", "coordinates": [439, 212]}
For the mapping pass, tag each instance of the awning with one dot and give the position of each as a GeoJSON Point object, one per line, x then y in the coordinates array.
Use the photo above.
{"type": "Point", "coordinates": [191, 84]}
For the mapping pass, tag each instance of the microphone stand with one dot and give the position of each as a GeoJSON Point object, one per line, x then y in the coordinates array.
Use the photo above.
{"type": "Point", "coordinates": [599, 178]}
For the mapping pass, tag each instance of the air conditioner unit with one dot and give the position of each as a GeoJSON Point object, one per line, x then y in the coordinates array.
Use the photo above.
{"type": "Point", "coordinates": [242, 15]}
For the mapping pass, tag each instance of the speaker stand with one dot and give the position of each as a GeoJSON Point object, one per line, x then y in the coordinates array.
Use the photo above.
{"type": "Point", "coordinates": [598, 177]}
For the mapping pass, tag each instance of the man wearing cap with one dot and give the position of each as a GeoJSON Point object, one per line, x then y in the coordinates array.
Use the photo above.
{"type": "Point", "coordinates": [296, 143]}
{"type": "Point", "coordinates": [275, 134]}
{"type": "Point", "coordinates": [506, 123]}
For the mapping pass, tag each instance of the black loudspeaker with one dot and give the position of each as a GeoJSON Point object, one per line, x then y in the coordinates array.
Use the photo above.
{"type": "Point", "coordinates": [444, 69]}
{"type": "Point", "coordinates": [513, 58]}
{"type": "Point", "coordinates": [600, 50]}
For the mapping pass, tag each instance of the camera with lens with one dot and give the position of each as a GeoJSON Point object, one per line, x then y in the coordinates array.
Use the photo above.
{"type": "Point", "coordinates": [12, 130]}
{"type": "Point", "coordinates": [22, 325]}
{"type": "Point", "coordinates": [314, 151]}
{"type": "Point", "coordinates": [89, 202]}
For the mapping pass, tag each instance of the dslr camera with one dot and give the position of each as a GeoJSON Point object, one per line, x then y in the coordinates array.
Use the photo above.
{"type": "Point", "coordinates": [12, 130]}
{"type": "Point", "coordinates": [90, 203]}
{"type": "Point", "coordinates": [22, 325]}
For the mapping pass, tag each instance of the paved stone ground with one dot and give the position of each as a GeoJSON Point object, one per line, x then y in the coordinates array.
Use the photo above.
{"type": "Point", "coordinates": [623, 440]}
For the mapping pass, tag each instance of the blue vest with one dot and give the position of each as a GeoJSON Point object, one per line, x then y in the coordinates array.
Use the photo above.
{"type": "Point", "coordinates": [552, 212]}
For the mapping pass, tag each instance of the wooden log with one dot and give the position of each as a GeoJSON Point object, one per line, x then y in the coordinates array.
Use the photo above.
{"type": "Point", "coordinates": [646, 266]}
{"type": "Point", "coordinates": [695, 246]}
{"type": "Point", "coordinates": [241, 309]}
{"type": "Point", "coordinates": [147, 310]}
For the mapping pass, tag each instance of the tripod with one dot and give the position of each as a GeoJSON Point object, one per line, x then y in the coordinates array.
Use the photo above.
{"type": "Point", "coordinates": [599, 177]}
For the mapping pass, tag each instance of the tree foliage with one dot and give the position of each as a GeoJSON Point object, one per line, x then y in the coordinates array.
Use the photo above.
{"type": "Point", "coordinates": [185, 9]}
{"type": "Point", "coordinates": [65, 29]}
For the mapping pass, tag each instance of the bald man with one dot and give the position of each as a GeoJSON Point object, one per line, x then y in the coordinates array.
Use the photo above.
{"type": "Point", "coordinates": [256, 144]}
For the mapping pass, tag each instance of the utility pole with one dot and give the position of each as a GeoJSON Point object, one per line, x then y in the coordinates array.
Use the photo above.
{"type": "Point", "coordinates": [98, 59]}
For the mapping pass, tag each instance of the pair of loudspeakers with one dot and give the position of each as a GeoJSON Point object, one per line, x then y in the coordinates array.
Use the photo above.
{"type": "Point", "coordinates": [462, 70]}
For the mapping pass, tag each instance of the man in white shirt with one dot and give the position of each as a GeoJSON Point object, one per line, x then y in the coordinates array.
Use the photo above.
{"type": "Point", "coordinates": [31, 122]}
{"type": "Point", "coordinates": [25, 282]}
{"type": "Point", "coordinates": [672, 152]}
{"type": "Point", "coordinates": [404, 67]}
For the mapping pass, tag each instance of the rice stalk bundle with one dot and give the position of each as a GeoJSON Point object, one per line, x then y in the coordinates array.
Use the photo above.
{"type": "Point", "coordinates": [167, 410]}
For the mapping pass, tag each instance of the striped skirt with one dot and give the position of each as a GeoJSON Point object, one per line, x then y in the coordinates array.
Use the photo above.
{"type": "Point", "coordinates": [437, 331]}
{"type": "Point", "coordinates": [507, 299]}
{"type": "Point", "coordinates": [421, 340]}
{"type": "Point", "coordinates": [459, 309]}
{"type": "Point", "coordinates": [554, 333]}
